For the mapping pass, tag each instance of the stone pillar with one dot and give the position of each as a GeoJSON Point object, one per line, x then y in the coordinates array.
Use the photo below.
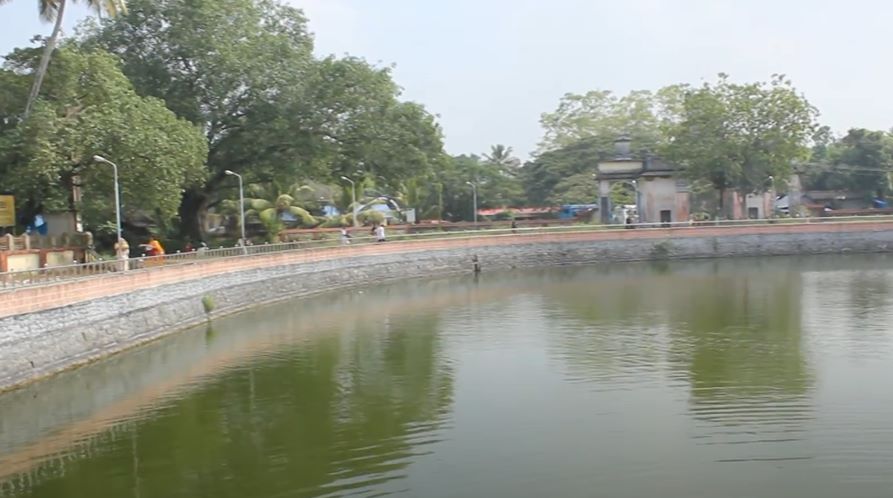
{"type": "Point", "coordinates": [604, 201]}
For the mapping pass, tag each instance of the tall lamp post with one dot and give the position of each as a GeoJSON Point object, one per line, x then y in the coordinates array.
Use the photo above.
{"type": "Point", "coordinates": [474, 193]}
{"type": "Point", "coordinates": [241, 206]}
{"type": "Point", "coordinates": [353, 198]}
{"type": "Point", "coordinates": [101, 159]}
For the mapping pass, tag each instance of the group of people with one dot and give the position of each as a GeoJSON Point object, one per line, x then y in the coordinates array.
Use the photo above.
{"type": "Point", "coordinates": [377, 232]}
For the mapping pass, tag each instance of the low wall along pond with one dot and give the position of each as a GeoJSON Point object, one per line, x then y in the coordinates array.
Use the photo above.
{"type": "Point", "coordinates": [50, 328]}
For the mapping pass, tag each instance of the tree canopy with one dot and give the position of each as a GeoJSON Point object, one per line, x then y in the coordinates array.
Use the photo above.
{"type": "Point", "coordinates": [552, 175]}
{"type": "Point", "coordinates": [88, 107]}
{"type": "Point", "coordinates": [600, 116]}
{"type": "Point", "coordinates": [244, 71]}
{"type": "Point", "coordinates": [861, 162]}
{"type": "Point", "coordinates": [741, 136]}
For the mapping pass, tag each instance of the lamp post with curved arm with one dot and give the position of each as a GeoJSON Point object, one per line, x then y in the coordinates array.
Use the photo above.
{"type": "Point", "coordinates": [474, 193]}
{"type": "Point", "coordinates": [353, 198]}
{"type": "Point", "coordinates": [101, 159]}
{"type": "Point", "coordinates": [241, 207]}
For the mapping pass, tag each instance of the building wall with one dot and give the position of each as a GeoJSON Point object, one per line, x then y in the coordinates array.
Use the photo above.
{"type": "Point", "coordinates": [658, 194]}
{"type": "Point", "coordinates": [51, 328]}
{"type": "Point", "coordinates": [763, 203]}
{"type": "Point", "coordinates": [61, 223]}
{"type": "Point", "coordinates": [683, 206]}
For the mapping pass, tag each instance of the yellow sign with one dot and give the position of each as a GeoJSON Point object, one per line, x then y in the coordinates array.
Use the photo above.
{"type": "Point", "coordinates": [7, 211]}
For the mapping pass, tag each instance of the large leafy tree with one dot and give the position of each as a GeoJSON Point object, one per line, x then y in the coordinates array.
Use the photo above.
{"type": "Point", "coordinates": [89, 107]}
{"type": "Point", "coordinates": [222, 65]}
{"type": "Point", "coordinates": [582, 130]}
{"type": "Point", "coordinates": [54, 11]}
{"type": "Point", "coordinates": [861, 161]}
{"type": "Point", "coordinates": [601, 116]}
{"type": "Point", "coordinates": [244, 71]}
{"type": "Point", "coordinates": [737, 136]}
{"type": "Point", "coordinates": [561, 175]}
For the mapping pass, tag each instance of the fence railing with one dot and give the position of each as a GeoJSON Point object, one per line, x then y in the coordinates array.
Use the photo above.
{"type": "Point", "coordinates": [27, 278]}
{"type": "Point", "coordinates": [27, 242]}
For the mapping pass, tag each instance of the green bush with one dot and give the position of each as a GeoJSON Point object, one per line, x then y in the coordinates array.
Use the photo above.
{"type": "Point", "coordinates": [208, 303]}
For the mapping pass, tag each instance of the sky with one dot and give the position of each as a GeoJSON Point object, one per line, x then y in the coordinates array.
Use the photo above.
{"type": "Point", "coordinates": [490, 68]}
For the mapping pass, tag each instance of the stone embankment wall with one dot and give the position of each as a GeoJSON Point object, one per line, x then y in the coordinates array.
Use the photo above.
{"type": "Point", "coordinates": [46, 329]}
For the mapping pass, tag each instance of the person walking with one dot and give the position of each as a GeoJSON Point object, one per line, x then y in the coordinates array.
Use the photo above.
{"type": "Point", "coordinates": [379, 233]}
{"type": "Point", "coordinates": [345, 237]}
{"type": "Point", "coordinates": [122, 254]}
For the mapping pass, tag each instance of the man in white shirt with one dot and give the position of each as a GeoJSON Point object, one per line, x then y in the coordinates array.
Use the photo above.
{"type": "Point", "coordinates": [379, 233]}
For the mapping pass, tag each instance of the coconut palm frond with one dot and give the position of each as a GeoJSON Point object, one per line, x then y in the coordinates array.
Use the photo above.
{"type": "Point", "coordinates": [284, 201]}
{"type": "Point", "coordinates": [48, 9]}
{"type": "Point", "coordinates": [306, 218]}
{"type": "Point", "coordinates": [258, 204]}
{"type": "Point", "coordinates": [111, 7]}
{"type": "Point", "coordinates": [268, 216]}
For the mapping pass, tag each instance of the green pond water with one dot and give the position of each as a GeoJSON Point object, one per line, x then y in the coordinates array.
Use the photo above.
{"type": "Point", "coordinates": [744, 378]}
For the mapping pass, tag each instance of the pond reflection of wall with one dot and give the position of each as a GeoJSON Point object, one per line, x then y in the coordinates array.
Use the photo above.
{"type": "Point", "coordinates": [331, 415]}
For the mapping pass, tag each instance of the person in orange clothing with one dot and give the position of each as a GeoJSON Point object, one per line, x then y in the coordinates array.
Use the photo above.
{"type": "Point", "coordinates": [154, 248]}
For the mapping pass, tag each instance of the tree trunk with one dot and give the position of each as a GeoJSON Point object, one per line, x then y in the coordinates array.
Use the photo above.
{"type": "Point", "coordinates": [722, 199]}
{"type": "Point", "coordinates": [45, 59]}
{"type": "Point", "coordinates": [192, 212]}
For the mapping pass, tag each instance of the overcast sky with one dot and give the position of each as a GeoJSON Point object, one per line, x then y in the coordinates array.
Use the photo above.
{"type": "Point", "coordinates": [489, 68]}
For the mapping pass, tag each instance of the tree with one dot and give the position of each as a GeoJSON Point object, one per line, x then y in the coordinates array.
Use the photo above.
{"type": "Point", "coordinates": [54, 11]}
{"type": "Point", "coordinates": [580, 188]}
{"type": "Point", "coordinates": [501, 156]}
{"type": "Point", "coordinates": [603, 116]}
{"type": "Point", "coordinates": [243, 70]}
{"type": "Point", "coordinates": [273, 208]}
{"type": "Point", "coordinates": [552, 174]}
{"type": "Point", "coordinates": [737, 136]}
{"type": "Point", "coordinates": [861, 161]}
{"type": "Point", "coordinates": [223, 66]}
{"type": "Point", "coordinates": [90, 108]}
{"type": "Point", "coordinates": [495, 188]}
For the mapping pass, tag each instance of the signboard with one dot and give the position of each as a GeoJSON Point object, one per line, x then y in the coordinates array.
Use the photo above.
{"type": "Point", "coordinates": [7, 211]}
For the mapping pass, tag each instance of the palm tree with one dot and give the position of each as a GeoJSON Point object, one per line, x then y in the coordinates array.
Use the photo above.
{"type": "Point", "coordinates": [501, 156]}
{"type": "Point", "coordinates": [271, 206]}
{"type": "Point", "coordinates": [54, 11]}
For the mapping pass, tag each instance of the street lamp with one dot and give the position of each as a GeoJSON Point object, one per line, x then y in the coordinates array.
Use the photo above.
{"type": "Point", "coordinates": [101, 159]}
{"type": "Point", "coordinates": [474, 191]}
{"type": "Point", "coordinates": [353, 198]}
{"type": "Point", "coordinates": [241, 206]}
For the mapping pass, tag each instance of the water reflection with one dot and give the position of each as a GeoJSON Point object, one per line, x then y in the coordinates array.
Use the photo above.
{"type": "Point", "coordinates": [341, 412]}
{"type": "Point", "coordinates": [758, 378]}
{"type": "Point", "coordinates": [730, 338]}
{"type": "Point", "coordinates": [738, 338]}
